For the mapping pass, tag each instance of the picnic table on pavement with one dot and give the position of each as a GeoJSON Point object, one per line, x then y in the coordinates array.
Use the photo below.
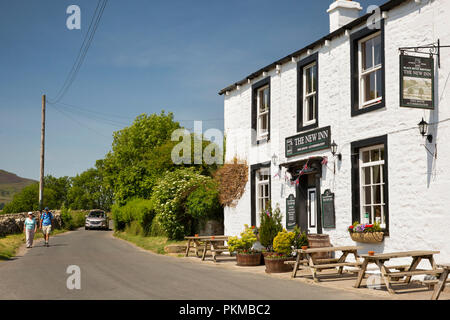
{"type": "Point", "coordinates": [441, 282]}
{"type": "Point", "coordinates": [405, 271]}
{"type": "Point", "coordinates": [306, 260]}
{"type": "Point", "coordinates": [205, 243]}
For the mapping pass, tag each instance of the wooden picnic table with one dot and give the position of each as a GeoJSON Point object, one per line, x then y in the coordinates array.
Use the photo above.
{"type": "Point", "coordinates": [306, 260]}
{"type": "Point", "coordinates": [440, 284]}
{"type": "Point", "coordinates": [406, 271]}
{"type": "Point", "coordinates": [211, 243]}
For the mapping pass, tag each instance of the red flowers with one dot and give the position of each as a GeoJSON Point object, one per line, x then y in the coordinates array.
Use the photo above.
{"type": "Point", "coordinates": [351, 227]}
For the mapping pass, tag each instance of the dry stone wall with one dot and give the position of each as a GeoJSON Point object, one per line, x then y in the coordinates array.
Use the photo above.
{"type": "Point", "coordinates": [13, 223]}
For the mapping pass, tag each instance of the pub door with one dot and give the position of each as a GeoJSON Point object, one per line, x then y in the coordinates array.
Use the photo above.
{"type": "Point", "coordinates": [307, 204]}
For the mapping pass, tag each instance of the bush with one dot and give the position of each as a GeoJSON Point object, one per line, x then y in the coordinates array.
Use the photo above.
{"type": "Point", "coordinates": [67, 219]}
{"type": "Point", "coordinates": [134, 228]}
{"type": "Point", "coordinates": [71, 220]}
{"type": "Point", "coordinates": [157, 230]}
{"type": "Point", "coordinates": [300, 238]}
{"type": "Point", "coordinates": [245, 243]}
{"type": "Point", "coordinates": [137, 210]}
{"type": "Point", "coordinates": [203, 202]}
{"type": "Point", "coordinates": [270, 226]}
{"type": "Point", "coordinates": [169, 197]}
{"type": "Point", "coordinates": [283, 242]}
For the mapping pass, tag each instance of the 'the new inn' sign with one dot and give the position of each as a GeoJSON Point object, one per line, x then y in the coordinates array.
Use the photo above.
{"type": "Point", "coordinates": [308, 142]}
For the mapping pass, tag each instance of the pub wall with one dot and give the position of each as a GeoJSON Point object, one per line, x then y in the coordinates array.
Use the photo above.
{"type": "Point", "coordinates": [419, 184]}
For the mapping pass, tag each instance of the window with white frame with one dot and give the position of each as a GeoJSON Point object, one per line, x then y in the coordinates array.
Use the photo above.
{"type": "Point", "coordinates": [263, 106]}
{"type": "Point", "coordinates": [262, 189]}
{"type": "Point", "coordinates": [372, 184]}
{"type": "Point", "coordinates": [309, 94]}
{"type": "Point", "coordinates": [370, 70]}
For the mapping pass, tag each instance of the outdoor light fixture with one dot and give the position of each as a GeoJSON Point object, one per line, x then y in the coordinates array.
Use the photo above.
{"type": "Point", "coordinates": [274, 159]}
{"type": "Point", "coordinates": [334, 150]}
{"type": "Point", "coordinates": [423, 129]}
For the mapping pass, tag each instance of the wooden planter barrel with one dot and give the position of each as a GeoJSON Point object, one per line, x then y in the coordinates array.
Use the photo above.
{"type": "Point", "coordinates": [248, 260]}
{"type": "Point", "coordinates": [367, 237]}
{"type": "Point", "coordinates": [319, 241]}
{"type": "Point", "coordinates": [278, 265]}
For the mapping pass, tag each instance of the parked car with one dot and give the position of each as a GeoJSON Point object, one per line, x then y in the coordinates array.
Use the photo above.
{"type": "Point", "coordinates": [97, 219]}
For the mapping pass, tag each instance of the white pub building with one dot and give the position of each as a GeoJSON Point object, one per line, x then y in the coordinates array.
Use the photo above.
{"type": "Point", "coordinates": [331, 132]}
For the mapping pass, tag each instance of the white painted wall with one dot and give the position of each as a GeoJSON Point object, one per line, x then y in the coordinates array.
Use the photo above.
{"type": "Point", "coordinates": [419, 189]}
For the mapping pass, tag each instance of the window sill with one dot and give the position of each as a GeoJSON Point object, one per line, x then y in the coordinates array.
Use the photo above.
{"type": "Point", "coordinates": [307, 127]}
{"type": "Point", "coordinates": [373, 107]}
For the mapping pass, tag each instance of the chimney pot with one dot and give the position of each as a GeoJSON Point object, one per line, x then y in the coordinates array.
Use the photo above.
{"type": "Point", "coordinates": [343, 12]}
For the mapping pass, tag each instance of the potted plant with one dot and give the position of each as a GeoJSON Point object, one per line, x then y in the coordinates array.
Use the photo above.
{"type": "Point", "coordinates": [282, 246]}
{"type": "Point", "coordinates": [366, 233]}
{"type": "Point", "coordinates": [269, 227]}
{"type": "Point", "coordinates": [245, 255]}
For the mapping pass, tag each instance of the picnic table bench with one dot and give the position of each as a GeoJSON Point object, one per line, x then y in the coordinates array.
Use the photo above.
{"type": "Point", "coordinates": [214, 244]}
{"type": "Point", "coordinates": [306, 260]}
{"type": "Point", "coordinates": [405, 272]}
{"type": "Point", "coordinates": [441, 282]}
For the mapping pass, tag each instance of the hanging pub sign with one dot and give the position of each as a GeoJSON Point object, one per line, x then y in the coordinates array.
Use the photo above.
{"type": "Point", "coordinates": [416, 82]}
{"type": "Point", "coordinates": [290, 212]}
{"type": "Point", "coordinates": [308, 142]}
{"type": "Point", "coordinates": [328, 213]}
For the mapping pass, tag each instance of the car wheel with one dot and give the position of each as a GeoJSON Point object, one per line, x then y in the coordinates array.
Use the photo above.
{"type": "Point", "coordinates": [86, 228]}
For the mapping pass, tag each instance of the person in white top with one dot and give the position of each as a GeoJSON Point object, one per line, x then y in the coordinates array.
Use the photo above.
{"type": "Point", "coordinates": [29, 228]}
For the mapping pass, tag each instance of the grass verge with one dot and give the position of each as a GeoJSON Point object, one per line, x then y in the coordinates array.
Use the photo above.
{"type": "Point", "coordinates": [10, 244]}
{"type": "Point", "coordinates": [154, 244]}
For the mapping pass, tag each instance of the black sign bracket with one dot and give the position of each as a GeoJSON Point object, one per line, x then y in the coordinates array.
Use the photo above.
{"type": "Point", "coordinates": [433, 49]}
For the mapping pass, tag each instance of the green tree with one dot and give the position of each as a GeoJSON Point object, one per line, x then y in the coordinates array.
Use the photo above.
{"type": "Point", "coordinates": [28, 200]}
{"type": "Point", "coordinates": [89, 191]}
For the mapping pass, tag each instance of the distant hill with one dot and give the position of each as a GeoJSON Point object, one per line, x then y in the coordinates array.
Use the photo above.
{"type": "Point", "coordinates": [11, 184]}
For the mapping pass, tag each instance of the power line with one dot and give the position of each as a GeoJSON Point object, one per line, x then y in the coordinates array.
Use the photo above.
{"type": "Point", "coordinates": [83, 50]}
{"type": "Point", "coordinates": [91, 115]}
{"type": "Point", "coordinates": [78, 122]}
{"type": "Point", "coordinates": [84, 109]}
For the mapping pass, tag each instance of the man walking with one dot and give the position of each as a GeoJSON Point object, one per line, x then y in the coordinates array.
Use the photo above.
{"type": "Point", "coordinates": [29, 229]}
{"type": "Point", "coordinates": [46, 225]}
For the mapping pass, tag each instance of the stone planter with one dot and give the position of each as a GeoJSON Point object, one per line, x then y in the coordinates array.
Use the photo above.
{"type": "Point", "coordinates": [248, 260]}
{"type": "Point", "coordinates": [367, 237]}
{"type": "Point", "coordinates": [278, 265]}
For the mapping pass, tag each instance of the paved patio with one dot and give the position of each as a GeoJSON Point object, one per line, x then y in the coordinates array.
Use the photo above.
{"type": "Point", "coordinates": [330, 279]}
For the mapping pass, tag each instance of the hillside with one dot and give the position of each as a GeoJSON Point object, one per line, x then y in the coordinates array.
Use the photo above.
{"type": "Point", "coordinates": [10, 184]}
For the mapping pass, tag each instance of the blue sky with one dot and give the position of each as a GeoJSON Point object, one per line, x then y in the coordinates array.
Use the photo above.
{"type": "Point", "coordinates": [146, 56]}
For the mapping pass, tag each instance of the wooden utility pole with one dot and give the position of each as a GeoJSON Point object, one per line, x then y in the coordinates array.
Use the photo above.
{"type": "Point", "coordinates": [41, 180]}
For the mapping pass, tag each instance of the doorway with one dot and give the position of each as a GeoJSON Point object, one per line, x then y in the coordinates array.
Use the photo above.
{"type": "Point", "coordinates": [311, 208]}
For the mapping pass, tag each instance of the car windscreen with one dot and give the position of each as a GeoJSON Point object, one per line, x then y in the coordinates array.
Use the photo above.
{"type": "Point", "coordinates": [96, 215]}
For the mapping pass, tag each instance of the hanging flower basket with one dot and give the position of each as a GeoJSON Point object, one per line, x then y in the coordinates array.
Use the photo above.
{"type": "Point", "coordinates": [367, 237]}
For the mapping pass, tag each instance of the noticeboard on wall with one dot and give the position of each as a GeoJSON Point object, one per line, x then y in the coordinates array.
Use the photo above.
{"type": "Point", "coordinates": [291, 220]}
{"type": "Point", "coordinates": [328, 211]}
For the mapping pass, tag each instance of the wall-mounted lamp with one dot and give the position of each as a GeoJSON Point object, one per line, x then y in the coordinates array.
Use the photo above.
{"type": "Point", "coordinates": [334, 150]}
{"type": "Point", "coordinates": [423, 129]}
{"type": "Point", "coordinates": [274, 159]}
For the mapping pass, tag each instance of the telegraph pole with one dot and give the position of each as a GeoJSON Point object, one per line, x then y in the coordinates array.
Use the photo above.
{"type": "Point", "coordinates": [41, 180]}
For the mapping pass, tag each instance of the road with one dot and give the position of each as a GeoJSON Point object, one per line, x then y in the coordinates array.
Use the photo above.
{"type": "Point", "coordinates": [114, 269]}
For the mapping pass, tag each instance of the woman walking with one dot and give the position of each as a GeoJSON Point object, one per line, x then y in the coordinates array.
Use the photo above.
{"type": "Point", "coordinates": [29, 229]}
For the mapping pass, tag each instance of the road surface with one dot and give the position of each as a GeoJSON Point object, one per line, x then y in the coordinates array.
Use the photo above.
{"type": "Point", "coordinates": [114, 269]}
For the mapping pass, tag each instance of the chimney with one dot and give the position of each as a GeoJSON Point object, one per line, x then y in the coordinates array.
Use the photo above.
{"type": "Point", "coordinates": [343, 12]}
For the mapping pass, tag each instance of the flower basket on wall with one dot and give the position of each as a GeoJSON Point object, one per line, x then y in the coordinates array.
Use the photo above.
{"type": "Point", "coordinates": [367, 237]}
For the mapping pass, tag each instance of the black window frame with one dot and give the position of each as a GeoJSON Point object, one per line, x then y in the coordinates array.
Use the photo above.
{"type": "Point", "coordinates": [253, 169]}
{"type": "Point", "coordinates": [354, 62]}
{"type": "Point", "coordinates": [300, 67]}
{"type": "Point", "coordinates": [255, 87]}
{"type": "Point", "coordinates": [355, 147]}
